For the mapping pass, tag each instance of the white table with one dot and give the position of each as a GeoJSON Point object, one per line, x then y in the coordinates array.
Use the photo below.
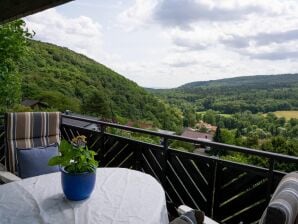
{"type": "Point", "coordinates": [121, 196]}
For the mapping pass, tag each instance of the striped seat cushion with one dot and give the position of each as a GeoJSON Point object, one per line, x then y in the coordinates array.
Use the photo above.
{"type": "Point", "coordinates": [28, 130]}
{"type": "Point", "coordinates": [283, 207]}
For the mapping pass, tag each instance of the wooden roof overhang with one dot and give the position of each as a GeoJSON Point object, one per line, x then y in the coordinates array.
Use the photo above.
{"type": "Point", "coordinates": [15, 9]}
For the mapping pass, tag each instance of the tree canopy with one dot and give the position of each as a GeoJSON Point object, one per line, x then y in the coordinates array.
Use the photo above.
{"type": "Point", "coordinates": [68, 80]}
{"type": "Point", "coordinates": [255, 93]}
{"type": "Point", "coordinates": [13, 47]}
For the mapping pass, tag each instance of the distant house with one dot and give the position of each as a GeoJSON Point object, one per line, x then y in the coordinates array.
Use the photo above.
{"type": "Point", "coordinates": [192, 133]}
{"type": "Point", "coordinates": [34, 104]}
{"type": "Point", "coordinates": [140, 124]}
{"type": "Point", "coordinates": [166, 132]}
{"type": "Point", "coordinates": [82, 124]}
{"type": "Point", "coordinates": [208, 127]}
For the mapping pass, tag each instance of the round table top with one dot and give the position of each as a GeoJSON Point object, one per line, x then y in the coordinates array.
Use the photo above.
{"type": "Point", "coordinates": [121, 196]}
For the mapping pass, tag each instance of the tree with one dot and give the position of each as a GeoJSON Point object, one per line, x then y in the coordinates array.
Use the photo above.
{"type": "Point", "coordinates": [294, 131]}
{"type": "Point", "coordinates": [223, 136]}
{"type": "Point", "coordinates": [293, 122]}
{"type": "Point", "coordinates": [281, 121]}
{"type": "Point", "coordinates": [217, 136]}
{"type": "Point", "coordinates": [227, 137]}
{"type": "Point", "coordinates": [252, 140]}
{"type": "Point", "coordinates": [210, 117]}
{"type": "Point", "coordinates": [238, 133]}
{"type": "Point", "coordinates": [97, 103]}
{"type": "Point", "coordinates": [59, 101]}
{"type": "Point", "coordinates": [189, 118]}
{"type": "Point", "coordinates": [207, 103]}
{"type": "Point", "coordinates": [13, 47]}
{"type": "Point", "coordinates": [10, 91]}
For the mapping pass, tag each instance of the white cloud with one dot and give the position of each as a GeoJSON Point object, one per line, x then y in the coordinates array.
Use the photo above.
{"type": "Point", "coordinates": [80, 34]}
{"type": "Point", "coordinates": [165, 43]}
{"type": "Point", "coordinates": [137, 15]}
{"type": "Point", "coordinates": [182, 13]}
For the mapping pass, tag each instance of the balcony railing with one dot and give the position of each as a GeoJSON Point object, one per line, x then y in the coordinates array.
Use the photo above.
{"type": "Point", "coordinates": [227, 191]}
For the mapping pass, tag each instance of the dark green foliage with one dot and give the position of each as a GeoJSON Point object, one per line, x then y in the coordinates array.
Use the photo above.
{"type": "Point", "coordinates": [13, 42]}
{"type": "Point", "coordinates": [13, 46]}
{"type": "Point", "coordinates": [267, 133]}
{"type": "Point", "coordinates": [281, 145]}
{"type": "Point", "coordinates": [217, 136]}
{"type": "Point", "coordinates": [189, 119]}
{"type": "Point", "coordinates": [183, 146]}
{"type": "Point", "coordinates": [67, 80]}
{"type": "Point", "coordinates": [75, 157]}
{"type": "Point", "coordinates": [240, 99]}
{"type": "Point", "coordinates": [223, 136]}
{"type": "Point", "coordinates": [254, 93]}
{"type": "Point", "coordinates": [97, 103]}
{"type": "Point", "coordinates": [58, 100]}
{"type": "Point", "coordinates": [210, 117]}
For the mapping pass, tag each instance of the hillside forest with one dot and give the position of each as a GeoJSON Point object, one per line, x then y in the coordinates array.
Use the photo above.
{"type": "Point", "coordinates": [65, 80]}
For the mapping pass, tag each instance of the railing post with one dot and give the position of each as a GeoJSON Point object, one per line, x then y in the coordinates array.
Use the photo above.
{"type": "Point", "coordinates": [138, 156]}
{"type": "Point", "coordinates": [102, 147]}
{"type": "Point", "coordinates": [6, 162]}
{"type": "Point", "coordinates": [165, 155]}
{"type": "Point", "coordinates": [270, 179]}
{"type": "Point", "coordinates": [214, 188]}
{"type": "Point", "coordinates": [165, 175]}
{"type": "Point", "coordinates": [3, 152]}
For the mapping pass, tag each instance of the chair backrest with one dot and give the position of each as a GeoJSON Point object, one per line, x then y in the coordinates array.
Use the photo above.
{"type": "Point", "coordinates": [283, 206]}
{"type": "Point", "coordinates": [30, 129]}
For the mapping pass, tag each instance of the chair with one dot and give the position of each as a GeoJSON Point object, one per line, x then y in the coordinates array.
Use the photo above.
{"type": "Point", "coordinates": [27, 130]}
{"type": "Point", "coordinates": [283, 206]}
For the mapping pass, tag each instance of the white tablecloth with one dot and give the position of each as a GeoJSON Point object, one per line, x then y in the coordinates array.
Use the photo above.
{"type": "Point", "coordinates": [121, 196]}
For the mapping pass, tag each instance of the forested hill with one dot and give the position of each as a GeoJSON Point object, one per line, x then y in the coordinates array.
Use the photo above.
{"type": "Point", "coordinates": [255, 93]}
{"type": "Point", "coordinates": [256, 82]}
{"type": "Point", "coordinates": [67, 80]}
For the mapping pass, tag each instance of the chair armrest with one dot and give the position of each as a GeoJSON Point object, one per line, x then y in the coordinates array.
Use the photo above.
{"type": "Point", "coordinates": [2, 167]}
{"type": "Point", "coordinates": [182, 209]}
{"type": "Point", "coordinates": [8, 177]}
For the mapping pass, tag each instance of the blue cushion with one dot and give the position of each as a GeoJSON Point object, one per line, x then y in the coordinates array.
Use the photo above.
{"type": "Point", "coordinates": [34, 161]}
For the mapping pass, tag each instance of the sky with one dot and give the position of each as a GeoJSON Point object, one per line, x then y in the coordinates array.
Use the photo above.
{"type": "Point", "coordinates": [167, 43]}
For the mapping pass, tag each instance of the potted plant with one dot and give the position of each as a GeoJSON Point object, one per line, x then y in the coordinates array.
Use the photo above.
{"type": "Point", "coordinates": [78, 168]}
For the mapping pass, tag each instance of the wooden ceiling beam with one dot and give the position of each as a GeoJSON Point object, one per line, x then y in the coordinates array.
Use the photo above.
{"type": "Point", "coordinates": [15, 9]}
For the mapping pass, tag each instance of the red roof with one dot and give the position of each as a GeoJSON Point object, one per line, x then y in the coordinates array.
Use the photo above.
{"type": "Point", "coordinates": [189, 133]}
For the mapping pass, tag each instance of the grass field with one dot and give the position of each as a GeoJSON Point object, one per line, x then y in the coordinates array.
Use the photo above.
{"type": "Point", "coordinates": [288, 114]}
{"type": "Point", "coordinates": [224, 115]}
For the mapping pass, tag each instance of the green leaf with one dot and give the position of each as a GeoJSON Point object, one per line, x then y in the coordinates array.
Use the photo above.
{"type": "Point", "coordinates": [74, 159]}
{"type": "Point", "coordinates": [54, 161]}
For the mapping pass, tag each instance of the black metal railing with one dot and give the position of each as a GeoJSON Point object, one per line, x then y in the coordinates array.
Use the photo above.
{"type": "Point", "coordinates": [227, 191]}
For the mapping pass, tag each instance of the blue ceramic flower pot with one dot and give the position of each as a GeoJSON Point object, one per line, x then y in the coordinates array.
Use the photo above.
{"type": "Point", "coordinates": [78, 186]}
